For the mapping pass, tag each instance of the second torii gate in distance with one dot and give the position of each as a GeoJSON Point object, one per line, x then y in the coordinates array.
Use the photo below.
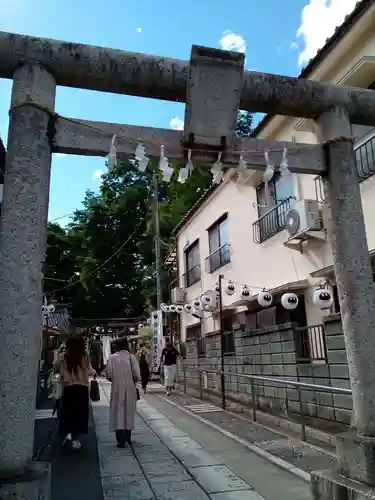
{"type": "Point", "coordinates": [214, 86]}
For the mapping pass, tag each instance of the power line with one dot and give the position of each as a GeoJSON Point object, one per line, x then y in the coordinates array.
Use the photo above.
{"type": "Point", "coordinates": [103, 263]}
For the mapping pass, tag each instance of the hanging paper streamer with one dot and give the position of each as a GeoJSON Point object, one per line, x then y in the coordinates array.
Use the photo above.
{"type": "Point", "coordinates": [164, 166]}
{"type": "Point", "coordinates": [186, 170]}
{"type": "Point", "coordinates": [242, 169]}
{"type": "Point", "coordinates": [217, 170]}
{"type": "Point", "coordinates": [284, 166]}
{"type": "Point", "coordinates": [267, 177]}
{"type": "Point", "coordinates": [112, 158]}
{"type": "Point", "coordinates": [140, 156]}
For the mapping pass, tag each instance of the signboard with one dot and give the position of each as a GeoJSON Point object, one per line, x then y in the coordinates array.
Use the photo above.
{"type": "Point", "coordinates": [158, 342]}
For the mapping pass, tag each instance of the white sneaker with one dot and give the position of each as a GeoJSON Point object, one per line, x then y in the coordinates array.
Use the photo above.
{"type": "Point", "coordinates": [76, 445]}
{"type": "Point", "coordinates": [67, 440]}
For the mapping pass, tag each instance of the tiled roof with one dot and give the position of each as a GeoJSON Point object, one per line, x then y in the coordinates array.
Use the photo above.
{"type": "Point", "coordinates": [359, 10]}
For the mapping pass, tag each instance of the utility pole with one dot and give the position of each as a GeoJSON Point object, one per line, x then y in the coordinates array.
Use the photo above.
{"type": "Point", "coordinates": [157, 240]}
{"type": "Point", "coordinates": [222, 375]}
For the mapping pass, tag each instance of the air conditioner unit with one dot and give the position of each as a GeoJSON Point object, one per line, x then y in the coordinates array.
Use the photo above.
{"type": "Point", "coordinates": [304, 216]}
{"type": "Point", "coordinates": [178, 295]}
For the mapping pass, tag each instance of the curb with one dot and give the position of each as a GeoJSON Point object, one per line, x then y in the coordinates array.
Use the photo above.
{"type": "Point", "coordinates": [282, 464]}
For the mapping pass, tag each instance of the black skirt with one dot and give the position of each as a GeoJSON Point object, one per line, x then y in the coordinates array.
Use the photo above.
{"type": "Point", "coordinates": [74, 410]}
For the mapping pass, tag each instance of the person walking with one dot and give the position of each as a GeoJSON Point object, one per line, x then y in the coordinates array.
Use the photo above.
{"type": "Point", "coordinates": [169, 356]}
{"type": "Point", "coordinates": [74, 368]}
{"type": "Point", "coordinates": [123, 371]}
{"type": "Point", "coordinates": [143, 356]}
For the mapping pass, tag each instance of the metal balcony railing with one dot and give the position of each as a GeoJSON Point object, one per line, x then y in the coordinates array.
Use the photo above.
{"type": "Point", "coordinates": [192, 276]}
{"type": "Point", "coordinates": [365, 155]}
{"type": "Point", "coordinates": [218, 258]}
{"type": "Point", "coordinates": [310, 342]}
{"type": "Point", "coordinates": [272, 222]}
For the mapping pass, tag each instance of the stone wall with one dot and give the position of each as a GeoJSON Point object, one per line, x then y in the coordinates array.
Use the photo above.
{"type": "Point", "coordinates": [272, 353]}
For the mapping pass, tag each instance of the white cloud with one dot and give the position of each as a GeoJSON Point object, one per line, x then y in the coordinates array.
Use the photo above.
{"type": "Point", "coordinates": [232, 41]}
{"type": "Point", "coordinates": [318, 22]}
{"type": "Point", "coordinates": [176, 123]}
{"type": "Point", "coordinates": [139, 30]}
{"type": "Point", "coordinates": [294, 46]}
{"type": "Point", "coordinates": [97, 175]}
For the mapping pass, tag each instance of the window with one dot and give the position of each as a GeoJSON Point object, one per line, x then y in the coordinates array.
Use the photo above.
{"type": "Point", "coordinates": [228, 338]}
{"type": "Point", "coordinates": [273, 207]}
{"type": "Point", "coordinates": [276, 315]}
{"type": "Point", "coordinates": [193, 332]}
{"type": "Point", "coordinates": [192, 264]}
{"type": "Point", "coordinates": [201, 344]}
{"type": "Point", "coordinates": [218, 239]}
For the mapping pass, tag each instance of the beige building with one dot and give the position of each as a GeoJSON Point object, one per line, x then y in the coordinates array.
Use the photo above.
{"type": "Point", "coordinates": [251, 238]}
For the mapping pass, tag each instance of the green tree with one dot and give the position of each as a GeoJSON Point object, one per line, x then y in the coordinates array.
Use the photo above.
{"type": "Point", "coordinates": [244, 125]}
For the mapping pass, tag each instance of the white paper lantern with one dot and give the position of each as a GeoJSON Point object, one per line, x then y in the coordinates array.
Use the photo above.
{"type": "Point", "coordinates": [230, 288]}
{"type": "Point", "coordinates": [265, 298]}
{"type": "Point", "coordinates": [163, 306]}
{"type": "Point", "coordinates": [289, 301]}
{"type": "Point", "coordinates": [51, 308]}
{"type": "Point", "coordinates": [197, 304]}
{"type": "Point", "coordinates": [217, 288]}
{"type": "Point", "coordinates": [188, 308]}
{"type": "Point", "coordinates": [167, 309]}
{"type": "Point", "coordinates": [148, 321]}
{"type": "Point", "coordinates": [206, 301]}
{"type": "Point", "coordinates": [155, 316]}
{"type": "Point", "coordinates": [179, 309]}
{"type": "Point", "coordinates": [322, 298]}
{"type": "Point", "coordinates": [245, 293]}
{"type": "Point", "coordinates": [172, 308]}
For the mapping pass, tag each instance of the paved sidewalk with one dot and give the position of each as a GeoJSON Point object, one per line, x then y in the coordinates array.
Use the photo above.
{"type": "Point", "coordinates": [167, 463]}
{"type": "Point", "coordinates": [299, 455]}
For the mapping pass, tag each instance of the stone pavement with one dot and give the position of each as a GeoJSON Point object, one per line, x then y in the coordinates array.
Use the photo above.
{"type": "Point", "coordinates": [175, 456]}
{"type": "Point", "coordinates": [278, 445]}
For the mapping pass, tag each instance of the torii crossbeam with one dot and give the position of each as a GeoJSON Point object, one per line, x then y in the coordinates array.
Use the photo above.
{"type": "Point", "coordinates": [214, 86]}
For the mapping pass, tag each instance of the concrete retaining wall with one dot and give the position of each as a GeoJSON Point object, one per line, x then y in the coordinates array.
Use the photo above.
{"type": "Point", "coordinates": [272, 353]}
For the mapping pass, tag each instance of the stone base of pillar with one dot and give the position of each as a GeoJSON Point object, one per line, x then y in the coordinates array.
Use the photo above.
{"type": "Point", "coordinates": [356, 457]}
{"type": "Point", "coordinates": [35, 484]}
{"type": "Point", "coordinates": [331, 485]}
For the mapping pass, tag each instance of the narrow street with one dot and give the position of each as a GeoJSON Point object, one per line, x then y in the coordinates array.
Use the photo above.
{"type": "Point", "coordinates": [176, 456]}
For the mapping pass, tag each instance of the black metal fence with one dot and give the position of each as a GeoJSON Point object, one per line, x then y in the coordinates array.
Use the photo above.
{"type": "Point", "coordinates": [218, 258]}
{"type": "Point", "coordinates": [192, 276]}
{"type": "Point", "coordinates": [272, 222]}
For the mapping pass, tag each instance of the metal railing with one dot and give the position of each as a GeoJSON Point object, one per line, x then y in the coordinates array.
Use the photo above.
{"type": "Point", "coordinates": [310, 342]}
{"type": "Point", "coordinates": [192, 276]}
{"type": "Point", "coordinates": [272, 222]}
{"type": "Point", "coordinates": [254, 381]}
{"type": "Point", "coordinates": [365, 156]}
{"type": "Point", "coordinates": [218, 258]}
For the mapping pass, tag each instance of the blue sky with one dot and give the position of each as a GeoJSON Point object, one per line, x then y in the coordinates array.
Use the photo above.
{"type": "Point", "coordinates": [276, 36]}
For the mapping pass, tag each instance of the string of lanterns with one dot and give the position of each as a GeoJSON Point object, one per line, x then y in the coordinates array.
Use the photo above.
{"type": "Point", "coordinates": [217, 168]}
{"type": "Point", "coordinates": [322, 299]}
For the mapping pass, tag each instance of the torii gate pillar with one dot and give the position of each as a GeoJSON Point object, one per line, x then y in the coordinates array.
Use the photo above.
{"type": "Point", "coordinates": [347, 237]}
{"type": "Point", "coordinates": [22, 252]}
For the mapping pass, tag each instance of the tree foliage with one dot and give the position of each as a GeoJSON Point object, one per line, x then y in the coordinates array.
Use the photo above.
{"type": "Point", "coordinates": [103, 263]}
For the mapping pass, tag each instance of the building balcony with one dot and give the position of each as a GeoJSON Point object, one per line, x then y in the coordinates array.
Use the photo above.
{"type": "Point", "coordinates": [218, 258]}
{"type": "Point", "coordinates": [365, 156]}
{"type": "Point", "coordinates": [272, 222]}
{"type": "Point", "coordinates": [192, 276]}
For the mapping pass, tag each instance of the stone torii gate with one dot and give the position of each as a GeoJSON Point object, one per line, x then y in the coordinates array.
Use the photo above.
{"type": "Point", "coordinates": [214, 86]}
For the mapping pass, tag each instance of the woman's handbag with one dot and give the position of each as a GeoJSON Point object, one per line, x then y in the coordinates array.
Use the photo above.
{"type": "Point", "coordinates": [94, 390]}
{"type": "Point", "coordinates": [134, 380]}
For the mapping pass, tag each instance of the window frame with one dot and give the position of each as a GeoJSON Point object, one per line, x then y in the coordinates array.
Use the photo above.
{"type": "Point", "coordinates": [222, 249]}
{"type": "Point", "coordinates": [192, 274]}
